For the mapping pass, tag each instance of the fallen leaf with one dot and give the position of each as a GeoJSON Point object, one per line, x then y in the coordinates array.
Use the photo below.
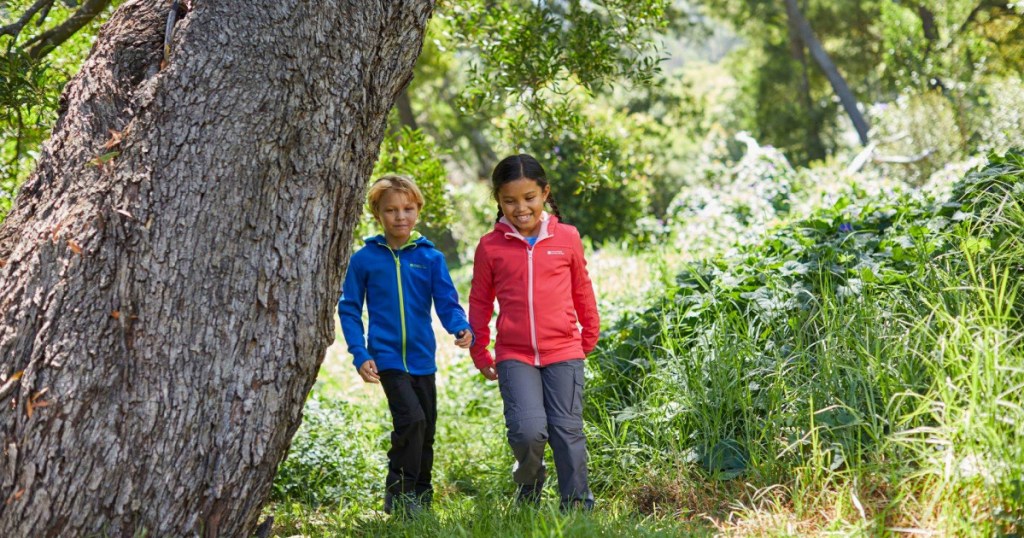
{"type": "Point", "coordinates": [115, 139]}
{"type": "Point", "coordinates": [15, 496]}
{"type": "Point", "coordinates": [74, 247]}
{"type": "Point", "coordinates": [3, 262]}
{"type": "Point", "coordinates": [125, 213]}
{"type": "Point", "coordinates": [15, 376]}
{"type": "Point", "coordinates": [115, 314]}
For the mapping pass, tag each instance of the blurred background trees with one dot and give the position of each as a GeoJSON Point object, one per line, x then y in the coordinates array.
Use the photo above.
{"type": "Point", "coordinates": [629, 102]}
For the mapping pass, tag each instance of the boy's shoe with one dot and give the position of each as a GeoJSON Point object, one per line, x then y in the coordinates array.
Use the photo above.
{"type": "Point", "coordinates": [402, 505]}
{"type": "Point", "coordinates": [425, 499]}
{"type": "Point", "coordinates": [529, 495]}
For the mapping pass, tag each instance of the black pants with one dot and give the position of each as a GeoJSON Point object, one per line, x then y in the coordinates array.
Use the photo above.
{"type": "Point", "coordinates": [413, 403]}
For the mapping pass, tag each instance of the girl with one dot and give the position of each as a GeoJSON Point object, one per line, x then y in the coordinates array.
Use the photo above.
{"type": "Point", "coordinates": [534, 265]}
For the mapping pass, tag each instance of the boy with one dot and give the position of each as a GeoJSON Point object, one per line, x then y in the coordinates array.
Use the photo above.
{"type": "Point", "coordinates": [398, 274]}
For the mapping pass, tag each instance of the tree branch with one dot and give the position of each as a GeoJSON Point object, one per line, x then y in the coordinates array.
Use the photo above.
{"type": "Point", "coordinates": [15, 27]}
{"type": "Point", "coordinates": [823, 60]}
{"type": "Point", "coordinates": [984, 5]}
{"type": "Point", "coordinates": [903, 159]}
{"type": "Point", "coordinates": [406, 115]}
{"type": "Point", "coordinates": [42, 44]}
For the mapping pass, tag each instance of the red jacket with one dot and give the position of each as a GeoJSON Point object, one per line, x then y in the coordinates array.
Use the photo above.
{"type": "Point", "coordinates": [542, 292]}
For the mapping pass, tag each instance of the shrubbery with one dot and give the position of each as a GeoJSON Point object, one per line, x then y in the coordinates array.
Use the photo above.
{"type": "Point", "coordinates": [326, 462]}
{"type": "Point", "coordinates": [877, 339]}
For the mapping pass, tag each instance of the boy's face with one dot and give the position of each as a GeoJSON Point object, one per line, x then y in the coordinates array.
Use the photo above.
{"type": "Point", "coordinates": [397, 214]}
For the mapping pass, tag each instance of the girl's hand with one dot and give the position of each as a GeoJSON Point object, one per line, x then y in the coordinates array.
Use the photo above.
{"type": "Point", "coordinates": [464, 338]}
{"type": "Point", "coordinates": [368, 371]}
{"type": "Point", "coordinates": [490, 372]}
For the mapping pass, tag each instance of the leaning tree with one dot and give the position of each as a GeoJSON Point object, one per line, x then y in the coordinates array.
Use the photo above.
{"type": "Point", "coordinates": [168, 274]}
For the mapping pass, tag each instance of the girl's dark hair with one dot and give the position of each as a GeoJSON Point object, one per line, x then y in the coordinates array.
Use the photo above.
{"type": "Point", "coordinates": [522, 166]}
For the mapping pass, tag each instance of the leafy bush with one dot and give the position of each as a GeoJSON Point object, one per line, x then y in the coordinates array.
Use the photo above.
{"type": "Point", "coordinates": [920, 127]}
{"type": "Point", "coordinates": [877, 337]}
{"type": "Point", "coordinates": [598, 177]}
{"type": "Point", "coordinates": [735, 205]}
{"type": "Point", "coordinates": [327, 463]}
{"type": "Point", "coordinates": [1000, 118]}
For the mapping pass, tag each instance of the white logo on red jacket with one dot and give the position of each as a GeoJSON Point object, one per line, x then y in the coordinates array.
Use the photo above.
{"type": "Point", "coordinates": [556, 253]}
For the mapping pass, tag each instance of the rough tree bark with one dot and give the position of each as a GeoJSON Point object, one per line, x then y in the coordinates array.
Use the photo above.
{"type": "Point", "coordinates": [170, 271]}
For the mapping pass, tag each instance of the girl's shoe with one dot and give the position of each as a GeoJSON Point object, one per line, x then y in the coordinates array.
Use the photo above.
{"type": "Point", "coordinates": [529, 495]}
{"type": "Point", "coordinates": [572, 505]}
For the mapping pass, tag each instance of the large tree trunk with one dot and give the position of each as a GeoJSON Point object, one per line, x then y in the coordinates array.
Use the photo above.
{"type": "Point", "coordinates": [164, 312]}
{"type": "Point", "coordinates": [828, 67]}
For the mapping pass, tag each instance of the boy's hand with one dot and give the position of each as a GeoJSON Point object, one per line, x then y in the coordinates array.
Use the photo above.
{"type": "Point", "coordinates": [464, 338]}
{"type": "Point", "coordinates": [490, 372]}
{"type": "Point", "coordinates": [368, 371]}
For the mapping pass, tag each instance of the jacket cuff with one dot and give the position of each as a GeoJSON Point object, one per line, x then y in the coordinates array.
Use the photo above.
{"type": "Point", "coordinates": [483, 360]}
{"type": "Point", "coordinates": [358, 361]}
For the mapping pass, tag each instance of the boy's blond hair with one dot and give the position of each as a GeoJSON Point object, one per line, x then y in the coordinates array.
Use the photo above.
{"type": "Point", "coordinates": [392, 182]}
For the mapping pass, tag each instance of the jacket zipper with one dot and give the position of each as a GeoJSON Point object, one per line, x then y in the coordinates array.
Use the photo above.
{"type": "Point", "coordinates": [401, 303]}
{"type": "Point", "coordinates": [529, 291]}
{"type": "Point", "coordinates": [533, 318]}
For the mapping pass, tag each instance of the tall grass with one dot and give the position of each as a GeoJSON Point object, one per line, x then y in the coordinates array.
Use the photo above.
{"type": "Point", "coordinates": [839, 384]}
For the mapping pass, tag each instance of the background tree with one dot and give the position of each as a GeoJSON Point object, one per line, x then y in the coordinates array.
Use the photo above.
{"type": "Point", "coordinates": [883, 48]}
{"type": "Point", "coordinates": [31, 78]}
{"type": "Point", "coordinates": [169, 271]}
{"type": "Point", "coordinates": [801, 60]}
{"type": "Point", "coordinates": [517, 75]}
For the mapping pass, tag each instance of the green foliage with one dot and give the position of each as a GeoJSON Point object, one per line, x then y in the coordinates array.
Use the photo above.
{"type": "Point", "coordinates": [999, 124]}
{"type": "Point", "coordinates": [30, 89]}
{"type": "Point", "coordinates": [883, 49]}
{"type": "Point", "coordinates": [734, 202]}
{"type": "Point", "coordinates": [922, 127]}
{"type": "Point", "coordinates": [26, 107]}
{"type": "Point", "coordinates": [599, 180]}
{"type": "Point", "coordinates": [787, 101]}
{"type": "Point", "coordinates": [880, 337]}
{"type": "Point", "coordinates": [664, 121]}
{"type": "Point", "coordinates": [524, 47]}
{"type": "Point", "coordinates": [965, 42]}
{"type": "Point", "coordinates": [530, 81]}
{"type": "Point", "coordinates": [414, 154]}
{"type": "Point", "coordinates": [326, 463]}
{"type": "Point", "coordinates": [475, 206]}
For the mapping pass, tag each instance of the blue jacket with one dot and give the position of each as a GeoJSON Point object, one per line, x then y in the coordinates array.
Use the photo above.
{"type": "Point", "coordinates": [398, 287]}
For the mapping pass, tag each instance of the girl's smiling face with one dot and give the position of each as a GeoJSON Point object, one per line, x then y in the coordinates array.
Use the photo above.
{"type": "Point", "coordinates": [522, 202]}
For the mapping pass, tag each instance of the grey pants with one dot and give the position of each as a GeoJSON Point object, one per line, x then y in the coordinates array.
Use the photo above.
{"type": "Point", "coordinates": [542, 405]}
